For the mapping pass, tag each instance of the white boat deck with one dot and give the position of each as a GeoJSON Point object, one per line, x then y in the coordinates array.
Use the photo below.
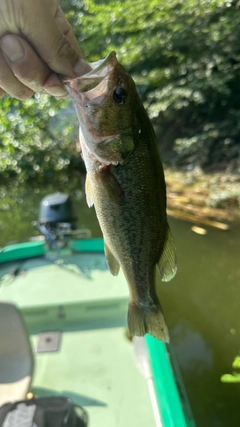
{"type": "Point", "coordinates": [95, 364]}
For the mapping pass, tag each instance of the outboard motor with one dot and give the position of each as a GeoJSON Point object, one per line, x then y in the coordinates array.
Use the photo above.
{"type": "Point", "coordinates": [56, 212]}
{"type": "Point", "coordinates": [56, 220]}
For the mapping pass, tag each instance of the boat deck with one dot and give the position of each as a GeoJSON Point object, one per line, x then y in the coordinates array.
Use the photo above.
{"type": "Point", "coordinates": [96, 369]}
{"type": "Point", "coordinates": [95, 364]}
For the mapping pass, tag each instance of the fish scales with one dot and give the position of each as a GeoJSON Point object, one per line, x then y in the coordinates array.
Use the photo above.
{"type": "Point", "coordinates": [143, 226]}
{"type": "Point", "coordinates": [127, 188]}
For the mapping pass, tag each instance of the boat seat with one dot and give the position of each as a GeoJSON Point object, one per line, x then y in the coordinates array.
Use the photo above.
{"type": "Point", "coordinates": [16, 358]}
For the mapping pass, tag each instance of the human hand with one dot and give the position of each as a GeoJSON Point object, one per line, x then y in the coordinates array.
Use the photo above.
{"type": "Point", "coordinates": [36, 44]}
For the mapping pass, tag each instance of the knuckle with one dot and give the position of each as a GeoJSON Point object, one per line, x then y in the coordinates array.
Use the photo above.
{"type": "Point", "coordinates": [63, 46]}
{"type": "Point", "coordinates": [68, 30]}
{"type": "Point", "coordinates": [63, 49]}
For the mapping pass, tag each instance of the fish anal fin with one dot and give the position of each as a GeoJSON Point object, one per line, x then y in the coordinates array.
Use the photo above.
{"type": "Point", "coordinates": [168, 264]}
{"type": "Point", "coordinates": [89, 193]}
{"type": "Point", "coordinates": [147, 320]}
{"type": "Point", "coordinates": [112, 262]}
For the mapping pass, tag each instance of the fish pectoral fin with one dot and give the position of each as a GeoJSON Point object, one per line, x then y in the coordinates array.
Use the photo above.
{"type": "Point", "coordinates": [111, 184]}
{"type": "Point", "coordinates": [168, 264]}
{"type": "Point", "coordinates": [112, 262]}
{"type": "Point", "coordinates": [88, 191]}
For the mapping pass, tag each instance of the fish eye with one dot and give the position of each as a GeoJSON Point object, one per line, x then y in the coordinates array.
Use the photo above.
{"type": "Point", "coordinates": [120, 95]}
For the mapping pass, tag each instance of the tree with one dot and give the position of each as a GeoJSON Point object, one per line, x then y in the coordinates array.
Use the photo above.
{"type": "Point", "coordinates": [185, 59]}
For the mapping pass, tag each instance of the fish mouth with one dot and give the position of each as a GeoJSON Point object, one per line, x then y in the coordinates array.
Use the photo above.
{"type": "Point", "coordinates": [100, 71]}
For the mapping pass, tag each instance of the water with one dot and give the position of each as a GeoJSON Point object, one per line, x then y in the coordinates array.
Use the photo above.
{"type": "Point", "coordinates": [202, 304]}
{"type": "Point", "coordinates": [203, 312]}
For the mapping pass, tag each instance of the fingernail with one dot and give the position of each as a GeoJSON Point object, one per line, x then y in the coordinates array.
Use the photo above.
{"type": "Point", "coordinates": [12, 48]}
{"type": "Point", "coordinates": [81, 68]}
{"type": "Point", "coordinates": [56, 90]}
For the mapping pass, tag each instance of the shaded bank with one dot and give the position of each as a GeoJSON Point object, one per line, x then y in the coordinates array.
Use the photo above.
{"type": "Point", "coordinates": [206, 199]}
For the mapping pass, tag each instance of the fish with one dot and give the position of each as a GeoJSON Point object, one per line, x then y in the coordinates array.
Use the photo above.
{"type": "Point", "coordinates": [125, 183]}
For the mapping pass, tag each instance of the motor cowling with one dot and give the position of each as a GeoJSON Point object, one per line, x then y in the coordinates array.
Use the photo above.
{"type": "Point", "coordinates": [56, 209]}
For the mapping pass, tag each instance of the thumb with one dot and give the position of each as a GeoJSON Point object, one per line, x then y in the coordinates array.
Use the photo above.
{"type": "Point", "coordinates": [52, 37]}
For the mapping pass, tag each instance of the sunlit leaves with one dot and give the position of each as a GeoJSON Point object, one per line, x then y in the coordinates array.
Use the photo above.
{"type": "Point", "coordinates": [235, 376]}
{"type": "Point", "coordinates": [32, 142]}
{"type": "Point", "coordinates": [185, 59]}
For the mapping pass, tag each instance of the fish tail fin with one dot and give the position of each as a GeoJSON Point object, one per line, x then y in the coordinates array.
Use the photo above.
{"type": "Point", "coordinates": [147, 320]}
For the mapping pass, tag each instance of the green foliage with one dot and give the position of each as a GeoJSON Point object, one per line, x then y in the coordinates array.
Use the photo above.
{"type": "Point", "coordinates": [235, 376]}
{"type": "Point", "coordinates": [185, 59]}
{"type": "Point", "coordinates": [36, 138]}
{"type": "Point", "coordinates": [184, 56]}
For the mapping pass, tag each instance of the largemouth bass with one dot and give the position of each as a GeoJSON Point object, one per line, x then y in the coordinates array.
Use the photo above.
{"type": "Point", "coordinates": [125, 182]}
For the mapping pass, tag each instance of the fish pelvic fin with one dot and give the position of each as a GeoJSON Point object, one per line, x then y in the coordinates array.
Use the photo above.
{"type": "Point", "coordinates": [147, 320]}
{"type": "Point", "coordinates": [112, 262]}
{"type": "Point", "coordinates": [168, 262]}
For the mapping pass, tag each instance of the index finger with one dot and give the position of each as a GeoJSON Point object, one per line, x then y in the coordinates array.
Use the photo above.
{"type": "Point", "coordinates": [45, 34]}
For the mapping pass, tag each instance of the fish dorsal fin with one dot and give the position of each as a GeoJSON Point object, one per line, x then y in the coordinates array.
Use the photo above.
{"type": "Point", "coordinates": [88, 191]}
{"type": "Point", "coordinates": [168, 264]}
{"type": "Point", "coordinates": [112, 262]}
